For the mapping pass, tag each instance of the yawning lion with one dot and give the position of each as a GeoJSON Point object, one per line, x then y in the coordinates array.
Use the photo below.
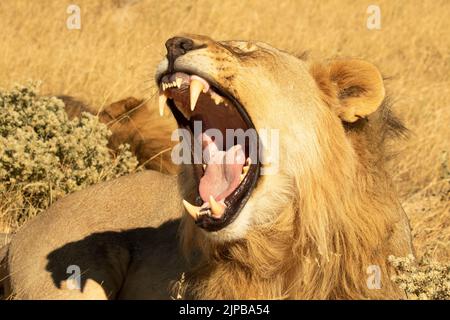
{"type": "Point", "coordinates": [301, 208]}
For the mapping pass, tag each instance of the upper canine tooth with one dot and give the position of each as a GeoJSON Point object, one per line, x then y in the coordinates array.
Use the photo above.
{"type": "Point", "coordinates": [162, 103]}
{"type": "Point", "coordinates": [191, 209]}
{"type": "Point", "coordinates": [195, 89]}
{"type": "Point", "coordinates": [216, 208]}
{"type": "Point", "coordinates": [179, 82]}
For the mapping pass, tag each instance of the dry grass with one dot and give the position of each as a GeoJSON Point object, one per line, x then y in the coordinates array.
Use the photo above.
{"type": "Point", "coordinates": [114, 54]}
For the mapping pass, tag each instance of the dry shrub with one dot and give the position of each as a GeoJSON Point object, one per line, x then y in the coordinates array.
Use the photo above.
{"type": "Point", "coordinates": [422, 279]}
{"type": "Point", "coordinates": [44, 155]}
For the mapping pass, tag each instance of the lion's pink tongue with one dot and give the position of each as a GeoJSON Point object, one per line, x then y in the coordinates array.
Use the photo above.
{"type": "Point", "coordinates": [223, 171]}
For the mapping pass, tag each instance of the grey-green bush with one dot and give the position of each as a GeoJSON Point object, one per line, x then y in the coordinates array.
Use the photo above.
{"type": "Point", "coordinates": [44, 155]}
{"type": "Point", "coordinates": [422, 279]}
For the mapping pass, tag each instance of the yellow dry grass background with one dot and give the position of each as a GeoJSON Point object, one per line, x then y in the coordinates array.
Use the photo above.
{"type": "Point", "coordinates": [120, 42]}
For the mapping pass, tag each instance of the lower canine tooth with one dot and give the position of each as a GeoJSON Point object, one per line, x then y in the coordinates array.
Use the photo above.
{"type": "Point", "coordinates": [216, 208]}
{"type": "Point", "coordinates": [195, 89]}
{"type": "Point", "coordinates": [191, 209]}
{"type": "Point", "coordinates": [162, 103]}
{"type": "Point", "coordinates": [245, 169]}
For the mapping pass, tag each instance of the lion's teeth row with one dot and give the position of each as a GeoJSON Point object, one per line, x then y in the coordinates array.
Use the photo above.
{"type": "Point", "coordinates": [176, 83]}
{"type": "Point", "coordinates": [211, 208]}
{"type": "Point", "coordinates": [197, 85]}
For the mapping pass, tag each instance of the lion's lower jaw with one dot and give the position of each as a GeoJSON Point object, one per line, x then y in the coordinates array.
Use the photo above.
{"type": "Point", "coordinates": [254, 214]}
{"type": "Point", "coordinates": [261, 209]}
{"type": "Point", "coordinates": [235, 231]}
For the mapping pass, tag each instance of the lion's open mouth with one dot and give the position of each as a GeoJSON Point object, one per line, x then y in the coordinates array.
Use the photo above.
{"type": "Point", "coordinates": [226, 166]}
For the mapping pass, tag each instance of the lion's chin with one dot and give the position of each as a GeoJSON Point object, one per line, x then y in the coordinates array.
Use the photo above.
{"type": "Point", "coordinates": [223, 143]}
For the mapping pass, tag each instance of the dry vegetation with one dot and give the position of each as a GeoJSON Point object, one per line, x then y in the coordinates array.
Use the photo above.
{"type": "Point", "coordinates": [44, 155]}
{"type": "Point", "coordinates": [120, 42]}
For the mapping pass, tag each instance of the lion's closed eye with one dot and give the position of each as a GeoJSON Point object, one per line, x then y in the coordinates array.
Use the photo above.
{"type": "Point", "coordinates": [241, 47]}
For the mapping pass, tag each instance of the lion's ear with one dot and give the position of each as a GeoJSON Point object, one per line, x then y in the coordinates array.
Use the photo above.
{"type": "Point", "coordinates": [352, 88]}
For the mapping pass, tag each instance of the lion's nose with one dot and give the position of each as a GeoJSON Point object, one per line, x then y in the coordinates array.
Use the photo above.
{"type": "Point", "coordinates": [176, 47]}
